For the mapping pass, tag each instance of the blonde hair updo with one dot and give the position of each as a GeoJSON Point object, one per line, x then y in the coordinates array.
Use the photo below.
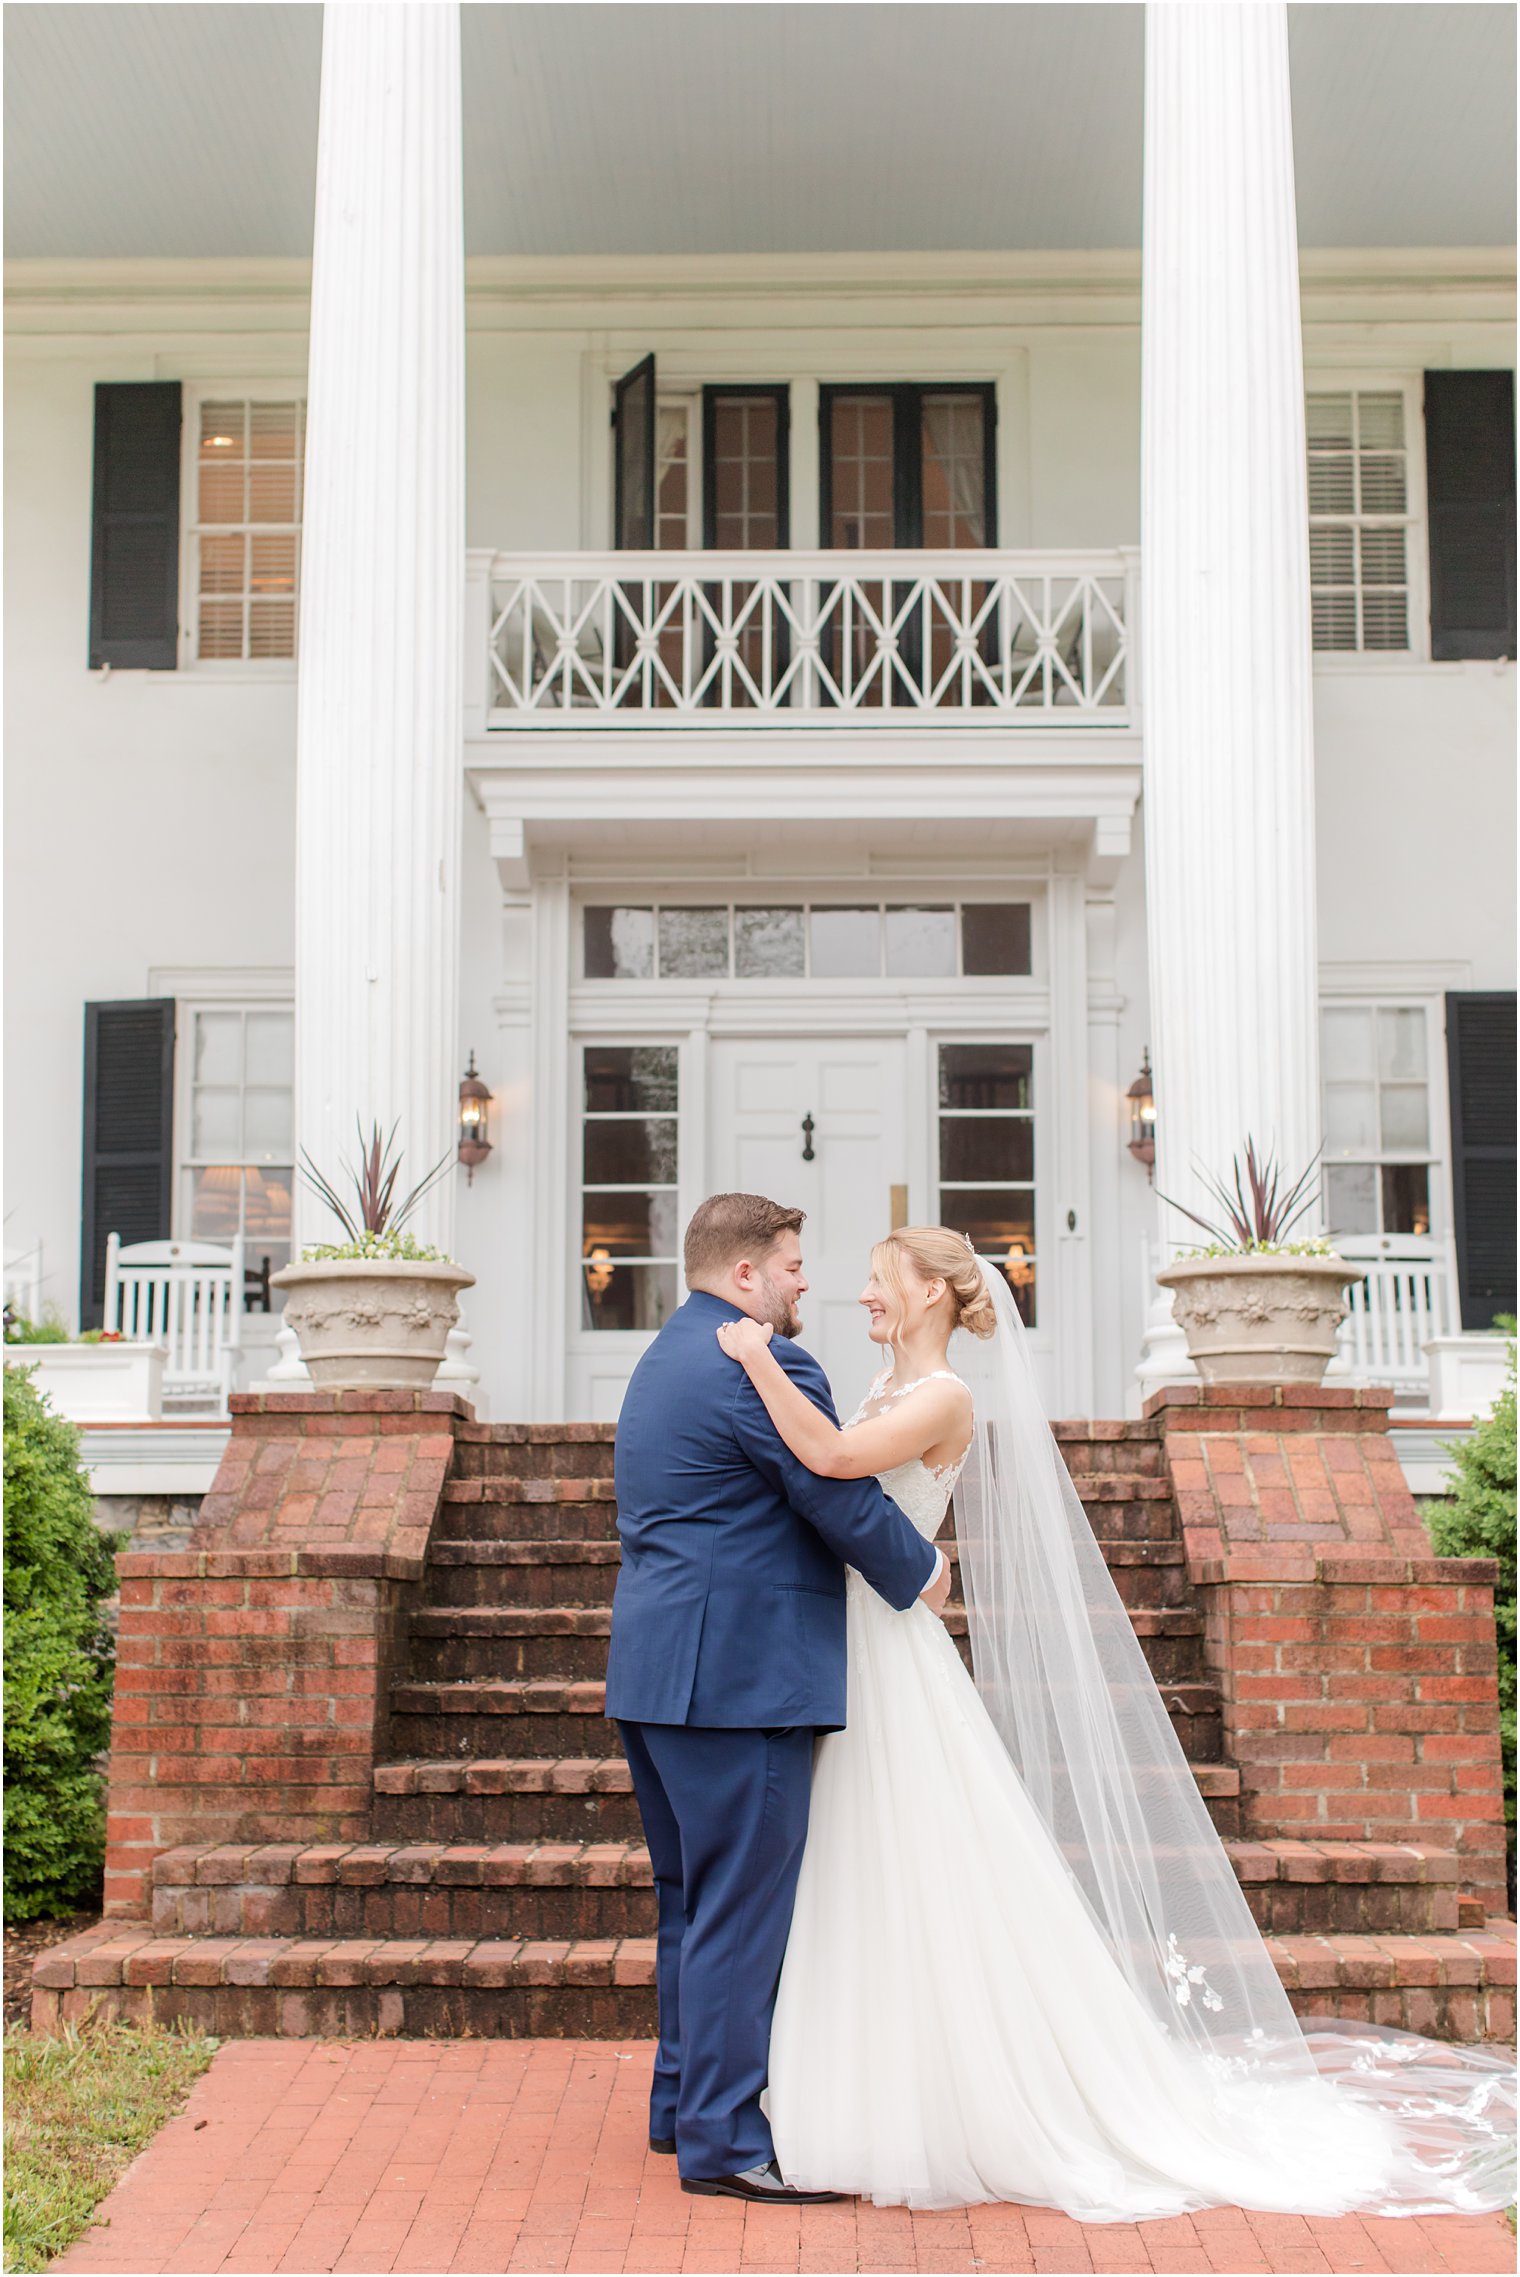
{"type": "Point", "coordinates": [939, 1254]}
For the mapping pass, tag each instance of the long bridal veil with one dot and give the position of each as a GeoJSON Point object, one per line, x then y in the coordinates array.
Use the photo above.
{"type": "Point", "coordinates": [1425, 2127]}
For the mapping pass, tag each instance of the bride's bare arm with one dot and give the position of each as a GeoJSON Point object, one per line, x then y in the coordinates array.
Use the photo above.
{"type": "Point", "coordinates": [937, 1414]}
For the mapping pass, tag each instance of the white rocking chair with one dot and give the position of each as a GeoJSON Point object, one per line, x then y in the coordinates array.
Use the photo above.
{"type": "Point", "coordinates": [188, 1297]}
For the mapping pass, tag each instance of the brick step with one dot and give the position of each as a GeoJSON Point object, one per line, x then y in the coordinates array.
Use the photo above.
{"type": "Point", "coordinates": [522, 1510]}
{"type": "Point", "coordinates": [522, 1573]}
{"type": "Point", "coordinates": [1449, 1987]}
{"type": "Point", "coordinates": [500, 1715]}
{"type": "Point", "coordinates": [1132, 1448]}
{"type": "Point", "coordinates": [506, 1799]}
{"type": "Point", "coordinates": [1219, 1785]}
{"type": "Point", "coordinates": [1346, 1888]}
{"type": "Point", "coordinates": [1148, 1573]}
{"type": "Point", "coordinates": [451, 1643]}
{"type": "Point", "coordinates": [534, 1450]}
{"type": "Point", "coordinates": [420, 1889]}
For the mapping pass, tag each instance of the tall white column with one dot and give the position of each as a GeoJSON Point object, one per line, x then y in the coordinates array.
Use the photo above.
{"type": "Point", "coordinates": [380, 723]}
{"type": "Point", "coordinates": [1229, 754]}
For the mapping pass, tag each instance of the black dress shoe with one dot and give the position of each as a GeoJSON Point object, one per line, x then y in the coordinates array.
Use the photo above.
{"type": "Point", "coordinates": [664, 2144]}
{"type": "Point", "coordinates": [761, 2186]}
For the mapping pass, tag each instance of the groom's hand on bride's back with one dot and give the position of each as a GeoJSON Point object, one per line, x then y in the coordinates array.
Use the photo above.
{"type": "Point", "coordinates": [937, 1595]}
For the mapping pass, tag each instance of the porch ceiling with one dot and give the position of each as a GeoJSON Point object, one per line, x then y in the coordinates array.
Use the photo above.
{"type": "Point", "coordinates": [723, 129]}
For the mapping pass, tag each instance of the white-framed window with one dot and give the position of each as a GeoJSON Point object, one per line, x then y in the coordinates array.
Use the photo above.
{"type": "Point", "coordinates": [677, 467]}
{"type": "Point", "coordinates": [629, 1181]}
{"type": "Point", "coordinates": [1365, 487]}
{"type": "Point", "coordinates": [235, 1116]}
{"type": "Point", "coordinates": [244, 480]}
{"type": "Point", "coordinates": [985, 1116]}
{"type": "Point", "coordinates": [1382, 1159]}
{"type": "Point", "coordinates": [863, 939]}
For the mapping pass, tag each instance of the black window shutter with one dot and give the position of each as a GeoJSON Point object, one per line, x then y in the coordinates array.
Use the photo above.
{"type": "Point", "coordinates": [128, 1134]}
{"type": "Point", "coordinates": [1470, 492]}
{"type": "Point", "coordinates": [1480, 1052]}
{"type": "Point", "coordinates": [134, 556]}
{"type": "Point", "coordinates": [634, 505]}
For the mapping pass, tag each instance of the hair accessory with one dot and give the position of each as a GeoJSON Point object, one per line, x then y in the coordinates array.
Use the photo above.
{"type": "Point", "coordinates": [970, 1244]}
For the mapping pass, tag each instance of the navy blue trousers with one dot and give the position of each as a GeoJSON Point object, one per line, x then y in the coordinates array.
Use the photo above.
{"type": "Point", "coordinates": [725, 1815]}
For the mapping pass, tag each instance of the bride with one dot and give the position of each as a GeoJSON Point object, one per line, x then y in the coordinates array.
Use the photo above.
{"type": "Point", "coordinates": [1020, 1965]}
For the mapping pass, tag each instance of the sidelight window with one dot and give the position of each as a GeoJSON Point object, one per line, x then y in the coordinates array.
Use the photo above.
{"type": "Point", "coordinates": [629, 1202]}
{"type": "Point", "coordinates": [986, 1158]}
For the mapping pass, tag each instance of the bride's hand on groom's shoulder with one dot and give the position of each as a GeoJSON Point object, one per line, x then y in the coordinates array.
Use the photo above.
{"type": "Point", "coordinates": [742, 1338]}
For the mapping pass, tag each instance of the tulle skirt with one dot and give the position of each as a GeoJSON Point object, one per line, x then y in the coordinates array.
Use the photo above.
{"type": "Point", "coordinates": [951, 2027]}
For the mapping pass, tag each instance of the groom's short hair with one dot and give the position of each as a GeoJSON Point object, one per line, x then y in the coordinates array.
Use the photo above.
{"type": "Point", "coordinates": [727, 1227]}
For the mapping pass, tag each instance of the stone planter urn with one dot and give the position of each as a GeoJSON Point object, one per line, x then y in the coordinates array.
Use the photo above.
{"type": "Point", "coordinates": [1252, 1319]}
{"type": "Point", "coordinates": [372, 1324]}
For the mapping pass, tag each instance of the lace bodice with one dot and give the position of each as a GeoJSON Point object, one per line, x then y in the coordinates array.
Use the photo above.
{"type": "Point", "coordinates": [920, 1491]}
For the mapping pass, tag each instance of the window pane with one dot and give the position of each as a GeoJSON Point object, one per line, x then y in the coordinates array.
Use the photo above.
{"type": "Point", "coordinates": [986, 1075]}
{"type": "Point", "coordinates": [268, 1124]}
{"type": "Point", "coordinates": [979, 1147]}
{"type": "Point", "coordinates": [1383, 485]}
{"type": "Point", "coordinates": [628, 1225]}
{"type": "Point", "coordinates": [995, 937]}
{"type": "Point", "coordinates": [222, 492]}
{"type": "Point", "coordinates": [861, 471]}
{"type": "Point", "coordinates": [221, 633]}
{"type": "Point", "coordinates": [1406, 1115]}
{"type": "Point", "coordinates": [266, 1214]}
{"type": "Point", "coordinates": [921, 944]}
{"type": "Point", "coordinates": [630, 1153]}
{"type": "Point", "coordinates": [1346, 1043]}
{"type": "Point", "coordinates": [1401, 1042]}
{"type": "Point", "coordinates": [269, 1047]}
{"type": "Point", "coordinates": [630, 1079]}
{"type": "Point", "coordinates": [672, 473]}
{"type": "Point", "coordinates": [1406, 1198]}
{"type": "Point", "coordinates": [619, 944]}
{"type": "Point", "coordinates": [215, 1204]}
{"type": "Point", "coordinates": [745, 471]}
{"type": "Point", "coordinates": [954, 470]}
{"type": "Point", "coordinates": [1328, 420]}
{"type": "Point", "coordinates": [1350, 1118]}
{"type": "Point", "coordinates": [1351, 1197]}
{"type": "Point", "coordinates": [693, 944]}
{"type": "Point", "coordinates": [216, 1125]}
{"type": "Point", "coordinates": [1380, 422]}
{"type": "Point", "coordinates": [1001, 1227]}
{"type": "Point", "coordinates": [627, 1296]}
{"type": "Point", "coordinates": [272, 494]}
{"type": "Point", "coordinates": [218, 1047]}
{"type": "Point", "coordinates": [224, 566]}
{"type": "Point", "coordinates": [768, 944]}
{"type": "Point", "coordinates": [846, 943]}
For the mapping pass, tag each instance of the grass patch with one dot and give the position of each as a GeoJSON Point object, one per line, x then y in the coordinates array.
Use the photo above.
{"type": "Point", "coordinates": [78, 2109]}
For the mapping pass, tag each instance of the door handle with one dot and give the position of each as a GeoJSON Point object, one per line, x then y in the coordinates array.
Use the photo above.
{"type": "Point", "coordinates": [807, 1138]}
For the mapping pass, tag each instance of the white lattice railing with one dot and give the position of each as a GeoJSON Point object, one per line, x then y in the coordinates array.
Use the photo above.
{"type": "Point", "coordinates": [794, 639]}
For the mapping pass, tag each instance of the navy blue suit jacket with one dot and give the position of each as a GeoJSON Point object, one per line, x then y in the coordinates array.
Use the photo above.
{"type": "Point", "coordinates": [730, 1604]}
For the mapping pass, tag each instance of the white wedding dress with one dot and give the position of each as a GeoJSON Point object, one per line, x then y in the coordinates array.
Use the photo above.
{"type": "Point", "coordinates": [951, 2024]}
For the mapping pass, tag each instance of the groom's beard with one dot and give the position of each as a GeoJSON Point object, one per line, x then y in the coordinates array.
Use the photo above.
{"type": "Point", "coordinates": [778, 1310]}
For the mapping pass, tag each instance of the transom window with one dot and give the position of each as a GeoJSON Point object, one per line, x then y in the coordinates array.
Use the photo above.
{"type": "Point", "coordinates": [1359, 519]}
{"type": "Point", "coordinates": [236, 1172]}
{"type": "Point", "coordinates": [864, 940]}
{"type": "Point", "coordinates": [629, 1203]}
{"type": "Point", "coordinates": [986, 1158]}
{"type": "Point", "coordinates": [247, 530]}
{"type": "Point", "coordinates": [1378, 1154]}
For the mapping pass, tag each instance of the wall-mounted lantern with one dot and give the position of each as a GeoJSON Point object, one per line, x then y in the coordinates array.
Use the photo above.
{"type": "Point", "coordinates": [1142, 1116]}
{"type": "Point", "coordinates": [474, 1121]}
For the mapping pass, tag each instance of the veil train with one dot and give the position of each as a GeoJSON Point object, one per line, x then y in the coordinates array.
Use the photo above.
{"type": "Point", "coordinates": [1064, 1679]}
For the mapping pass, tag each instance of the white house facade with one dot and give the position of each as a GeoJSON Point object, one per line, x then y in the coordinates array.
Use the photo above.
{"type": "Point", "coordinates": [811, 667]}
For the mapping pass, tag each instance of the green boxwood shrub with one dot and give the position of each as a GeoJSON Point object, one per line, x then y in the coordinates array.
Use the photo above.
{"type": "Point", "coordinates": [58, 1661]}
{"type": "Point", "coordinates": [1479, 1522]}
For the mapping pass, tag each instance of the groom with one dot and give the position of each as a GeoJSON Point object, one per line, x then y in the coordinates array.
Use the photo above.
{"type": "Point", "coordinates": [727, 1656]}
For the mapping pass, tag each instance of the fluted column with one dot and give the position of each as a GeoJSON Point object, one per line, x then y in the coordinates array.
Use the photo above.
{"type": "Point", "coordinates": [1229, 754]}
{"type": "Point", "coordinates": [380, 725]}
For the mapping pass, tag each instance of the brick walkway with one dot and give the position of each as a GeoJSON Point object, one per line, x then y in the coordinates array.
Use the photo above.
{"type": "Point", "coordinates": [530, 2155]}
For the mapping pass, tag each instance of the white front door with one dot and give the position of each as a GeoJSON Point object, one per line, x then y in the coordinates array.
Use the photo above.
{"type": "Point", "coordinates": [820, 1123]}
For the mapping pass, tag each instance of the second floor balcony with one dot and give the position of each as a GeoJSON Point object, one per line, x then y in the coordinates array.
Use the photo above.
{"type": "Point", "coordinates": [993, 639]}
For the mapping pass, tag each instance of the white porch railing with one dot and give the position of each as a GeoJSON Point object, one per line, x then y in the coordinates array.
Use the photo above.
{"type": "Point", "coordinates": [756, 640]}
{"type": "Point", "coordinates": [1408, 1296]}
